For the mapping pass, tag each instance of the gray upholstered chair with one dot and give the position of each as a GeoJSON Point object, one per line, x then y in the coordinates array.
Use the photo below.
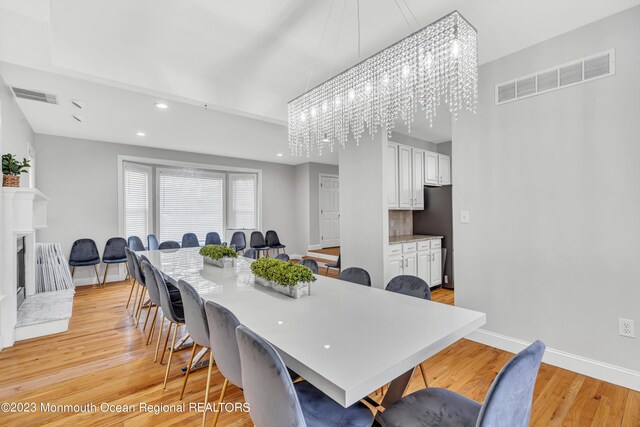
{"type": "Point", "coordinates": [224, 347]}
{"type": "Point", "coordinates": [310, 264]}
{"type": "Point", "coordinates": [257, 242]}
{"type": "Point", "coordinates": [508, 402]}
{"type": "Point", "coordinates": [190, 240]}
{"type": "Point", "coordinates": [131, 269]}
{"type": "Point", "coordinates": [238, 241]}
{"type": "Point", "coordinates": [273, 241]}
{"type": "Point", "coordinates": [169, 244]}
{"type": "Point", "coordinates": [154, 295]}
{"type": "Point", "coordinates": [282, 257]}
{"type": "Point", "coordinates": [356, 275]}
{"type": "Point", "coordinates": [114, 254]}
{"type": "Point", "coordinates": [336, 264]}
{"type": "Point", "coordinates": [137, 272]}
{"type": "Point", "coordinates": [135, 243]}
{"type": "Point", "coordinates": [195, 319]}
{"type": "Point", "coordinates": [275, 401]}
{"type": "Point", "coordinates": [84, 253]}
{"type": "Point", "coordinates": [152, 242]}
{"type": "Point", "coordinates": [212, 238]}
{"type": "Point", "coordinates": [250, 253]}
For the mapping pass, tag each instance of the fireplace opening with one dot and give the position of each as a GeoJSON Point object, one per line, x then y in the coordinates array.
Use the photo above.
{"type": "Point", "coordinates": [20, 270]}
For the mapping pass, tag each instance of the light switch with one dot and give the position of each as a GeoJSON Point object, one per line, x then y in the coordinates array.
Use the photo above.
{"type": "Point", "coordinates": [464, 217]}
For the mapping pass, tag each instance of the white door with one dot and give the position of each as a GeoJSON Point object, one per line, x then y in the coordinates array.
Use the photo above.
{"type": "Point", "coordinates": [424, 266]}
{"type": "Point", "coordinates": [392, 175]}
{"type": "Point", "coordinates": [404, 161]}
{"type": "Point", "coordinates": [430, 168]}
{"type": "Point", "coordinates": [418, 179]}
{"type": "Point", "coordinates": [395, 266]}
{"type": "Point", "coordinates": [444, 169]}
{"type": "Point", "coordinates": [436, 267]}
{"type": "Point", "coordinates": [329, 211]}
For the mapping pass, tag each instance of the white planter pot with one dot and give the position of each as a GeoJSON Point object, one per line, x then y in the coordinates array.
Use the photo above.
{"type": "Point", "coordinates": [224, 262]}
{"type": "Point", "coordinates": [297, 291]}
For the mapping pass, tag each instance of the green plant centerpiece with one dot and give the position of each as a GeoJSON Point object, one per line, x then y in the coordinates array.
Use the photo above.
{"type": "Point", "coordinates": [219, 256]}
{"type": "Point", "coordinates": [11, 170]}
{"type": "Point", "coordinates": [283, 276]}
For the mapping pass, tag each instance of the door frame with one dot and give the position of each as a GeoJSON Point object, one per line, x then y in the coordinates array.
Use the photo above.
{"type": "Point", "coordinates": [320, 176]}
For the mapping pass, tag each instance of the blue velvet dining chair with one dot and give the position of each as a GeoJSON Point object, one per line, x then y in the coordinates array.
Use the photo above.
{"type": "Point", "coordinates": [212, 238]}
{"type": "Point", "coordinates": [135, 244]}
{"type": "Point", "coordinates": [337, 264]}
{"type": "Point", "coordinates": [273, 241]}
{"type": "Point", "coordinates": [508, 402]}
{"type": "Point", "coordinates": [84, 253]}
{"type": "Point", "coordinates": [282, 257]}
{"type": "Point", "coordinates": [250, 253]}
{"type": "Point", "coordinates": [356, 275]}
{"type": "Point", "coordinates": [257, 242]}
{"type": "Point", "coordinates": [152, 242]}
{"type": "Point", "coordinates": [276, 401]}
{"type": "Point", "coordinates": [114, 254]}
{"type": "Point", "coordinates": [238, 241]}
{"type": "Point", "coordinates": [190, 240]}
{"type": "Point", "coordinates": [310, 264]}
{"type": "Point", "coordinates": [169, 244]}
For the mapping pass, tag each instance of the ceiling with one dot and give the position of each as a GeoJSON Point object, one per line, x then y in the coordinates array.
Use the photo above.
{"type": "Point", "coordinates": [246, 57]}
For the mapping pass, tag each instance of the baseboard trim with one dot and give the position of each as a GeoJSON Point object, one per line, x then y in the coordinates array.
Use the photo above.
{"type": "Point", "coordinates": [582, 365]}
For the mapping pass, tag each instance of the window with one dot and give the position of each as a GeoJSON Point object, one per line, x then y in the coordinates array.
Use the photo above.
{"type": "Point", "coordinates": [137, 214]}
{"type": "Point", "coordinates": [190, 201]}
{"type": "Point", "coordinates": [243, 211]}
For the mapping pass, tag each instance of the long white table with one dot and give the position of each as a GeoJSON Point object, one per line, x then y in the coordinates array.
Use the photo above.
{"type": "Point", "coordinates": [346, 339]}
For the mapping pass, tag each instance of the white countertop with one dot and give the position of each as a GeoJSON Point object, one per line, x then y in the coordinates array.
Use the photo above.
{"type": "Point", "coordinates": [346, 339]}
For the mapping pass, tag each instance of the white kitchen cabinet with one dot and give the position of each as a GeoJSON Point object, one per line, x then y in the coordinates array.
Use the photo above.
{"type": "Point", "coordinates": [410, 264]}
{"type": "Point", "coordinates": [392, 176]}
{"type": "Point", "coordinates": [430, 168]}
{"type": "Point", "coordinates": [395, 265]}
{"type": "Point", "coordinates": [418, 178]}
{"type": "Point", "coordinates": [444, 170]}
{"type": "Point", "coordinates": [422, 259]}
{"type": "Point", "coordinates": [436, 267]}
{"type": "Point", "coordinates": [424, 265]}
{"type": "Point", "coordinates": [405, 187]}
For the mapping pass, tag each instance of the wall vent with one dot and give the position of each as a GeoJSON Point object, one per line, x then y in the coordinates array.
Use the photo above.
{"type": "Point", "coordinates": [569, 74]}
{"type": "Point", "coordinates": [34, 95]}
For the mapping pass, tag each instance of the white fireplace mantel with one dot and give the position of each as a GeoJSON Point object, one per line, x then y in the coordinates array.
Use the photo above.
{"type": "Point", "coordinates": [24, 210]}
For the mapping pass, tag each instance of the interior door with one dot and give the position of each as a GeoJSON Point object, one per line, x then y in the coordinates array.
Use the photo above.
{"type": "Point", "coordinates": [406, 191]}
{"type": "Point", "coordinates": [329, 211]}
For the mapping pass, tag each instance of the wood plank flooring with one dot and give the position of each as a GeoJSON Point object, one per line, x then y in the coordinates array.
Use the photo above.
{"type": "Point", "coordinates": [335, 251]}
{"type": "Point", "coordinates": [103, 358]}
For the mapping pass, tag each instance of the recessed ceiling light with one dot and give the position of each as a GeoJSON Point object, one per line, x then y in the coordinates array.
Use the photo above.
{"type": "Point", "coordinates": [327, 346]}
{"type": "Point", "coordinates": [279, 154]}
{"type": "Point", "coordinates": [162, 105]}
{"type": "Point", "coordinates": [140, 133]}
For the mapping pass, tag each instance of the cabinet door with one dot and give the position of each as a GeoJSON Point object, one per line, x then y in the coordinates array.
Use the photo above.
{"type": "Point", "coordinates": [395, 266]}
{"type": "Point", "coordinates": [424, 266]}
{"type": "Point", "coordinates": [404, 174]}
{"type": "Point", "coordinates": [418, 179]}
{"type": "Point", "coordinates": [436, 267]}
{"type": "Point", "coordinates": [444, 169]}
{"type": "Point", "coordinates": [410, 264]}
{"type": "Point", "coordinates": [430, 168]}
{"type": "Point", "coordinates": [392, 175]}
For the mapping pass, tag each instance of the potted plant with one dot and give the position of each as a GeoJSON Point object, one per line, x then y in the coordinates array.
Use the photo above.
{"type": "Point", "coordinates": [11, 170]}
{"type": "Point", "coordinates": [285, 277]}
{"type": "Point", "coordinates": [220, 256]}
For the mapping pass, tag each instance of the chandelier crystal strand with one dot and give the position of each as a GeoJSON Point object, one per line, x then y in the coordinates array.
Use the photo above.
{"type": "Point", "coordinates": [437, 63]}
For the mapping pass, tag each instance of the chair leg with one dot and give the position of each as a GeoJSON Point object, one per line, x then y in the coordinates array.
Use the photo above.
{"type": "Point", "coordinates": [206, 391]}
{"type": "Point", "coordinates": [140, 304]}
{"type": "Point", "coordinates": [104, 278]}
{"type": "Point", "coordinates": [73, 271]}
{"type": "Point", "coordinates": [126, 266]}
{"type": "Point", "coordinates": [146, 319]}
{"type": "Point", "coordinates": [166, 342]}
{"type": "Point", "coordinates": [424, 376]}
{"type": "Point", "coordinates": [173, 343]}
{"type": "Point", "coordinates": [155, 357]}
{"type": "Point", "coordinates": [217, 408]}
{"type": "Point", "coordinates": [186, 375]}
{"type": "Point", "coordinates": [135, 300]}
{"type": "Point", "coordinates": [153, 326]}
{"type": "Point", "coordinates": [95, 268]}
{"type": "Point", "coordinates": [133, 285]}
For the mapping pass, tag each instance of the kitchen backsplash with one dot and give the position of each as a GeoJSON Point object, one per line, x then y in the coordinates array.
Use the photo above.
{"type": "Point", "coordinates": [400, 223]}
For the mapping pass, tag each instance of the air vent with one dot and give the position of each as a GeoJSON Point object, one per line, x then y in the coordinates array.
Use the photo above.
{"type": "Point", "coordinates": [79, 104]}
{"type": "Point", "coordinates": [572, 73]}
{"type": "Point", "coordinates": [34, 95]}
{"type": "Point", "coordinates": [79, 118]}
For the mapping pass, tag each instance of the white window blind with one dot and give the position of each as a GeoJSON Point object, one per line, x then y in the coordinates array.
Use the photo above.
{"type": "Point", "coordinates": [136, 200]}
{"type": "Point", "coordinates": [243, 200]}
{"type": "Point", "coordinates": [190, 201]}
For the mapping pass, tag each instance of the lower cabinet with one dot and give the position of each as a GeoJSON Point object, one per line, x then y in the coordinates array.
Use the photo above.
{"type": "Point", "coordinates": [422, 259]}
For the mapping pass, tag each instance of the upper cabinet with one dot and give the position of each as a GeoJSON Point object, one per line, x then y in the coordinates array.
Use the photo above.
{"type": "Point", "coordinates": [417, 184]}
{"type": "Point", "coordinates": [391, 155]}
{"type": "Point", "coordinates": [405, 176]}
{"type": "Point", "coordinates": [437, 169]}
{"type": "Point", "coordinates": [444, 170]}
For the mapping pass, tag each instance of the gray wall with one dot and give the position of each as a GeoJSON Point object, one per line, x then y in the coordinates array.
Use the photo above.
{"type": "Point", "coordinates": [315, 169]}
{"type": "Point", "coordinates": [16, 133]}
{"type": "Point", "coordinates": [302, 205]}
{"type": "Point", "coordinates": [80, 177]}
{"type": "Point", "coordinates": [552, 184]}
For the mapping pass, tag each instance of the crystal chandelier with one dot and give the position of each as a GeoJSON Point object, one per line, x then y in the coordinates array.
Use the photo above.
{"type": "Point", "coordinates": [436, 63]}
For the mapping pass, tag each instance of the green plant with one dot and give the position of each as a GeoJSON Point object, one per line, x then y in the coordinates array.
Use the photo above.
{"type": "Point", "coordinates": [284, 273]}
{"type": "Point", "coordinates": [11, 165]}
{"type": "Point", "coordinates": [217, 252]}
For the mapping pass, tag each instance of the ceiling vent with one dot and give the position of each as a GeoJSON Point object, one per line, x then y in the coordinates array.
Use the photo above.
{"type": "Point", "coordinates": [572, 73]}
{"type": "Point", "coordinates": [34, 95]}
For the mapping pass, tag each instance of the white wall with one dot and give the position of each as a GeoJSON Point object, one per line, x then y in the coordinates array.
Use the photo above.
{"type": "Point", "coordinates": [80, 177]}
{"type": "Point", "coordinates": [552, 184]}
{"type": "Point", "coordinates": [15, 131]}
{"type": "Point", "coordinates": [302, 205]}
{"type": "Point", "coordinates": [364, 219]}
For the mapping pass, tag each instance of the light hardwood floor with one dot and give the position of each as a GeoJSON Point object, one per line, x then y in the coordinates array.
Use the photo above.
{"type": "Point", "coordinates": [103, 358]}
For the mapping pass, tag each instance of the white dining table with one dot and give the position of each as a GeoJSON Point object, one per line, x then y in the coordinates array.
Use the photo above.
{"type": "Point", "coordinates": [346, 339]}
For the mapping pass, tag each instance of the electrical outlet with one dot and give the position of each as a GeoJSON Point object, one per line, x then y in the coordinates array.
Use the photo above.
{"type": "Point", "coordinates": [626, 328]}
{"type": "Point", "coordinates": [446, 279]}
